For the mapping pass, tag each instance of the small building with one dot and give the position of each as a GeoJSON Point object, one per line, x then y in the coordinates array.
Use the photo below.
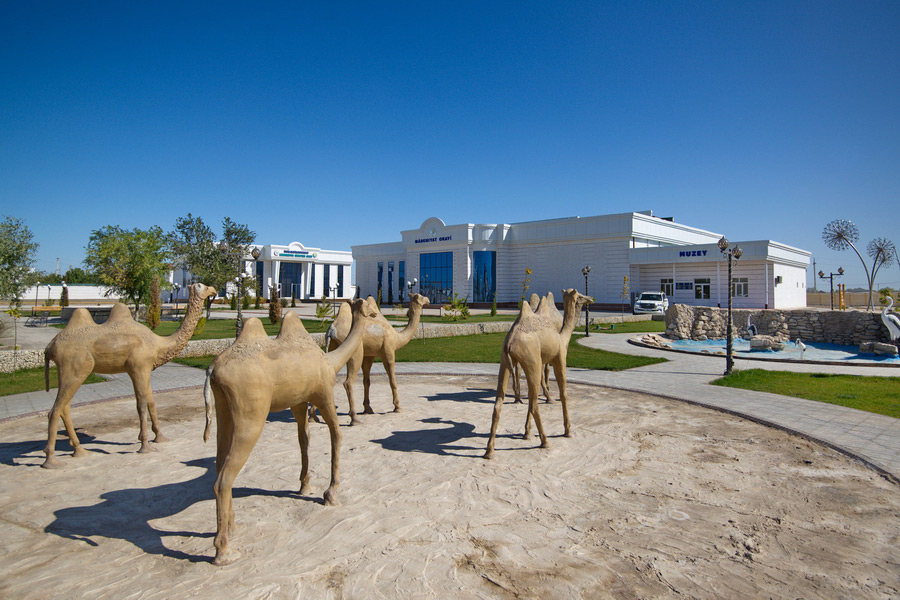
{"type": "Point", "coordinates": [627, 253]}
{"type": "Point", "coordinates": [301, 272]}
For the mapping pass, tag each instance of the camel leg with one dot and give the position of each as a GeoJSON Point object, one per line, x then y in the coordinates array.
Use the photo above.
{"type": "Point", "coordinates": [300, 411]}
{"type": "Point", "coordinates": [533, 379]}
{"type": "Point", "coordinates": [388, 360]}
{"type": "Point", "coordinates": [224, 429]}
{"type": "Point", "coordinates": [158, 437]}
{"type": "Point", "coordinates": [70, 379]}
{"type": "Point", "coordinates": [65, 414]}
{"type": "Point", "coordinates": [244, 436]}
{"type": "Point", "coordinates": [142, 392]}
{"type": "Point", "coordinates": [367, 369]}
{"type": "Point", "coordinates": [330, 415]}
{"type": "Point", "coordinates": [502, 379]}
{"type": "Point", "coordinates": [352, 371]}
{"type": "Point", "coordinates": [517, 384]}
{"type": "Point", "coordinates": [560, 371]}
{"type": "Point", "coordinates": [545, 383]}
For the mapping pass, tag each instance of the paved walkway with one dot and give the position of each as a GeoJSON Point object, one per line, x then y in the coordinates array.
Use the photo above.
{"type": "Point", "coordinates": [873, 439]}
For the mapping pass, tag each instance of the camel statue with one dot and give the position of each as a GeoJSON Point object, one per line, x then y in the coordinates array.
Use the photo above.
{"type": "Point", "coordinates": [120, 345]}
{"type": "Point", "coordinates": [381, 340]}
{"type": "Point", "coordinates": [532, 342]}
{"type": "Point", "coordinates": [543, 307]}
{"type": "Point", "coordinates": [258, 375]}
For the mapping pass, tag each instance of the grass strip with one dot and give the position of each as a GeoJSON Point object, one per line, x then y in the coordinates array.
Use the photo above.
{"type": "Point", "coordinates": [879, 395]}
{"type": "Point", "coordinates": [32, 380]}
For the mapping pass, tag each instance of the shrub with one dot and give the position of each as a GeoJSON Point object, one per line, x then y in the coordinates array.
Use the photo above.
{"type": "Point", "coordinates": [64, 297]}
{"type": "Point", "coordinates": [457, 309]}
{"type": "Point", "coordinates": [494, 305]}
{"type": "Point", "coordinates": [201, 325]}
{"type": "Point", "coordinates": [324, 309]}
{"type": "Point", "coordinates": [274, 306]}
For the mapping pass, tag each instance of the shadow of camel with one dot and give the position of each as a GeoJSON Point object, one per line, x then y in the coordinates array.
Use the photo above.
{"type": "Point", "coordinates": [484, 396]}
{"type": "Point", "coordinates": [127, 514]}
{"type": "Point", "coordinates": [435, 441]}
{"type": "Point", "coordinates": [10, 451]}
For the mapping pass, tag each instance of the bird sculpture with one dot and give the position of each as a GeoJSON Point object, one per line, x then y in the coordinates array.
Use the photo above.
{"type": "Point", "coordinates": [891, 321]}
{"type": "Point", "coordinates": [751, 328]}
{"type": "Point", "coordinates": [802, 347]}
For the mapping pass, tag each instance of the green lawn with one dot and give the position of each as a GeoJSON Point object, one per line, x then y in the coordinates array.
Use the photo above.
{"type": "Point", "coordinates": [224, 328]}
{"type": "Point", "coordinates": [879, 395]}
{"type": "Point", "coordinates": [485, 348]}
{"type": "Point", "coordinates": [32, 380]}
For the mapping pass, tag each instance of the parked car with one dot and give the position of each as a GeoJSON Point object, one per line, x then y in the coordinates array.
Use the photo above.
{"type": "Point", "coordinates": [650, 303]}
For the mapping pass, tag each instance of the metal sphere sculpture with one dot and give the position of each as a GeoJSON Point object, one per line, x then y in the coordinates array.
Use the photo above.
{"type": "Point", "coordinates": [882, 251]}
{"type": "Point", "coordinates": [840, 234]}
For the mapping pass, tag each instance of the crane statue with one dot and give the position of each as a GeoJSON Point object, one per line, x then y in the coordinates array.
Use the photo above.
{"type": "Point", "coordinates": [891, 321]}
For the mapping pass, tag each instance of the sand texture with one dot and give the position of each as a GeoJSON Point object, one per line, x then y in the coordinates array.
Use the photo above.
{"type": "Point", "coordinates": [650, 498]}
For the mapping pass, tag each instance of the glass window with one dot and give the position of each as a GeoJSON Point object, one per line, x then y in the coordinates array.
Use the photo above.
{"type": "Point", "coordinates": [702, 289]}
{"type": "Point", "coordinates": [290, 277]}
{"type": "Point", "coordinates": [390, 283]}
{"type": "Point", "coordinates": [740, 287]}
{"type": "Point", "coordinates": [667, 286]}
{"type": "Point", "coordinates": [380, 276]}
{"type": "Point", "coordinates": [340, 274]}
{"type": "Point", "coordinates": [401, 277]}
{"type": "Point", "coordinates": [484, 276]}
{"type": "Point", "coordinates": [436, 276]}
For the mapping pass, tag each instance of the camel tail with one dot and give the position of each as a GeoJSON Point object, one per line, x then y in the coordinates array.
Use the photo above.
{"type": "Point", "coordinates": [206, 390]}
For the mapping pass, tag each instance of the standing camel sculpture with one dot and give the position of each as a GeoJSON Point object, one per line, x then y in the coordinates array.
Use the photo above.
{"type": "Point", "coordinates": [381, 340]}
{"type": "Point", "coordinates": [258, 375]}
{"type": "Point", "coordinates": [532, 342]}
{"type": "Point", "coordinates": [543, 307]}
{"type": "Point", "coordinates": [120, 345]}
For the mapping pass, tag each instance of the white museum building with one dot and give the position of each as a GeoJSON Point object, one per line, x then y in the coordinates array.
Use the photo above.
{"type": "Point", "coordinates": [477, 261]}
{"type": "Point", "coordinates": [302, 272]}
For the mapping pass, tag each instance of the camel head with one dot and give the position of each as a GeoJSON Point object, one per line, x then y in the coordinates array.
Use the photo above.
{"type": "Point", "coordinates": [576, 298]}
{"type": "Point", "coordinates": [418, 300]}
{"type": "Point", "coordinates": [200, 291]}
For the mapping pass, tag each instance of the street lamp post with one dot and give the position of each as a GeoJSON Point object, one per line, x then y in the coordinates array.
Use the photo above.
{"type": "Point", "coordinates": [176, 287]}
{"type": "Point", "coordinates": [830, 279]}
{"type": "Point", "coordinates": [587, 306]}
{"type": "Point", "coordinates": [732, 254]}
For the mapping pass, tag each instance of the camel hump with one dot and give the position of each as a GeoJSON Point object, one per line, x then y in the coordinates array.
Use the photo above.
{"type": "Point", "coordinates": [526, 311]}
{"type": "Point", "coordinates": [80, 318]}
{"type": "Point", "coordinates": [253, 328]}
{"type": "Point", "coordinates": [373, 306]}
{"type": "Point", "coordinates": [119, 312]}
{"type": "Point", "coordinates": [292, 329]}
{"type": "Point", "coordinates": [535, 301]}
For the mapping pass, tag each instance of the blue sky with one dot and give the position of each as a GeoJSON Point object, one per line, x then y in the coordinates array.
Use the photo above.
{"type": "Point", "coordinates": [335, 124]}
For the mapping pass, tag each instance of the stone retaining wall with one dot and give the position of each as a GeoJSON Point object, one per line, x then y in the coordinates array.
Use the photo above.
{"type": "Point", "coordinates": [847, 328]}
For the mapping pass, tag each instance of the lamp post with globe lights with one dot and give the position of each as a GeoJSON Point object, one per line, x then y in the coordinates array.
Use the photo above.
{"type": "Point", "coordinates": [731, 254]}
{"type": "Point", "coordinates": [830, 277]}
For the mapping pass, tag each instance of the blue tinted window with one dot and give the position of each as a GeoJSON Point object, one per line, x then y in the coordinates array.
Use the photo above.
{"type": "Point", "coordinates": [436, 276]}
{"type": "Point", "coordinates": [484, 276]}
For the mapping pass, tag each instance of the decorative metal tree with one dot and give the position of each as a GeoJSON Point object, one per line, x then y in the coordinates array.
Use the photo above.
{"type": "Point", "coordinates": [841, 234]}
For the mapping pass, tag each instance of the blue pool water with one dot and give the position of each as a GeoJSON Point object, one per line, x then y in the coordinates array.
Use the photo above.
{"type": "Point", "coordinates": [814, 351]}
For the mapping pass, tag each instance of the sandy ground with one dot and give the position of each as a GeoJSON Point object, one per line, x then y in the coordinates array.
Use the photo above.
{"type": "Point", "coordinates": [649, 499]}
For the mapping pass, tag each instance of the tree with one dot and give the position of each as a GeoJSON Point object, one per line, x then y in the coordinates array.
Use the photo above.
{"type": "Point", "coordinates": [126, 261]}
{"type": "Point", "coordinates": [841, 234]}
{"type": "Point", "coordinates": [215, 263]}
{"type": "Point", "coordinates": [78, 275]}
{"type": "Point", "coordinates": [274, 306]}
{"type": "Point", "coordinates": [154, 310]}
{"type": "Point", "coordinates": [17, 256]}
